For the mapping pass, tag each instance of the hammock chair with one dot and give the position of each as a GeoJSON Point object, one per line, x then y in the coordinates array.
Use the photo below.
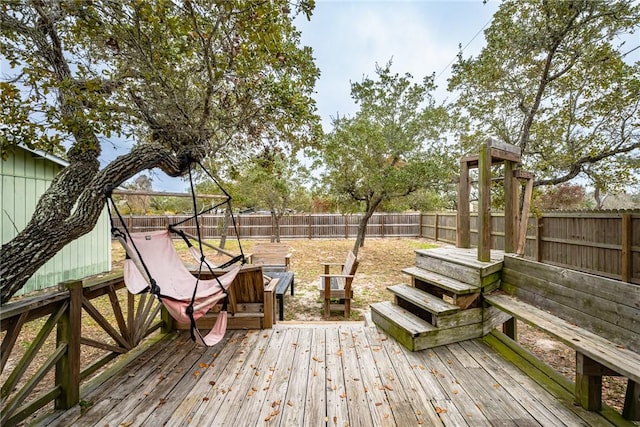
{"type": "Point", "coordinates": [152, 265]}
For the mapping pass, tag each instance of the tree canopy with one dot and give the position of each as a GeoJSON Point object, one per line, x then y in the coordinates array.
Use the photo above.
{"type": "Point", "coordinates": [391, 148]}
{"type": "Point", "coordinates": [183, 79]}
{"type": "Point", "coordinates": [553, 80]}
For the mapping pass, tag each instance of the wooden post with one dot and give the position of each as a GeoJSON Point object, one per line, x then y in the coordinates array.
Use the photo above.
{"type": "Point", "coordinates": [69, 333]}
{"type": "Point", "coordinates": [310, 228]}
{"type": "Point", "coordinates": [484, 204]}
{"type": "Point", "coordinates": [510, 207]}
{"type": "Point", "coordinates": [435, 233]}
{"type": "Point", "coordinates": [539, 225]}
{"type": "Point", "coordinates": [588, 387]}
{"type": "Point", "coordinates": [626, 247]}
{"type": "Point", "coordinates": [510, 328]}
{"type": "Point", "coordinates": [524, 218]}
{"type": "Point", "coordinates": [631, 410]}
{"type": "Point", "coordinates": [168, 324]}
{"type": "Point", "coordinates": [463, 234]}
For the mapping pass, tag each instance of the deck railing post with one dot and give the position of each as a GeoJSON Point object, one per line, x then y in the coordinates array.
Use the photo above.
{"type": "Point", "coordinates": [69, 332]}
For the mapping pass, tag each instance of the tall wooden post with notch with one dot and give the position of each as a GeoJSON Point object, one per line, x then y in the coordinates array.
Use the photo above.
{"type": "Point", "coordinates": [492, 153]}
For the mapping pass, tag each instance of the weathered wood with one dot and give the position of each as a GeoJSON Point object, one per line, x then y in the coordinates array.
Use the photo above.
{"type": "Point", "coordinates": [210, 386]}
{"type": "Point", "coordinates": [13, 328]}
{"type": "Point", "coordinates": [561, 388]}
{"type": "Point", "coordinates": [165, 194]}
{"type": "Point", "coordinates": [338, 286]}
{"type": "Point", "coordinates": [492, 318]}
{"type": "Point", "coordinates": [378, 397]}
{"type": "Point", "coordinates": [570, 295]}
{"type": "Point", "coordinates": [588, 387]}
{"type": "Point", "coordinates": [544, 408]}
{"type": "Point", "coordinates": [359, 412]}
{"type": "Point", "coordinates": [337, 410]}
{"type": "Point", "coordinates": [28, 356]}
{"type": "Point", "coordinates": [463, 235]}
{"type": "Point", "coordinates": [315, 409]}
{"type": "Point", "coordinates": [605, 352]}
{"type": "Point", "coordinates": [370, 380]}
{"type": "Point", "coordinates": [391, 361]}
{"type": "Point", "coordinates": [510, 208]}
{"type": "Point", "coordinates": [469, 316]}
{"type": "Point", "coordinates": [422, 300]}
{"type": "Point", "coordinates": [244, 408]}
{"type": "Point", "coordinates": [484, 204]}
{"type": "Point", "coordinates": [524, 217]}
{"type": "Point", "coordinates": [454, 286]}
{"type": "Point", "coordinates": [631, 409]}
{"type": "Point", "coordinates": [271, 256]}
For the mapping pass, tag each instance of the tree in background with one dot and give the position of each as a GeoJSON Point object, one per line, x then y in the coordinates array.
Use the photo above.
{"type": "Point", "coordinates": [273, 180]}
{"type": "Point", "coordinates": [551, 81]}
{"type": "Point", "coordinates": [388, 150]}
{"type": "Point", "coordinates": [185, 80]}
{"type": "Point", "coordinates": [561, 197]}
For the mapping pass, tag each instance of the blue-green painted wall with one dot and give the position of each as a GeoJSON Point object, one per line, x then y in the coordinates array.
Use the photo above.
{"type": "Point", "coordinates": [25, 176]}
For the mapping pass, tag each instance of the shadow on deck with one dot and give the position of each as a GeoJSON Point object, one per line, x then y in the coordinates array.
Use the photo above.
{"type": "Point", "coordinates": [333, 374]}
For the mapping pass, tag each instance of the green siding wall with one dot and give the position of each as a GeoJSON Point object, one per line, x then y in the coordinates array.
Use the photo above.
{"type": "Point", "coordinates": [24, 178]}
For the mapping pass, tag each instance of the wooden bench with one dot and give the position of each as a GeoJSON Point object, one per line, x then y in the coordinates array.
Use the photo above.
{"type": "Point", "coordinates": [598, 317]}
{"type": "Point", "coordinates": [271, 256]}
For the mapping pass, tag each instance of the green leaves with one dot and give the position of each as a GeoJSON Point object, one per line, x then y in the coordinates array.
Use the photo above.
{"type": "Point", "coordinates": [552, 80]}
{"type": "Point", "coordinates": [391, 148]}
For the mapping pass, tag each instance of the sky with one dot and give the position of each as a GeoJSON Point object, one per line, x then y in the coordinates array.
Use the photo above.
{"type": "Point", "coordinates": [348, 38]}
{"type": "Point", "coordinates": [421, 37]}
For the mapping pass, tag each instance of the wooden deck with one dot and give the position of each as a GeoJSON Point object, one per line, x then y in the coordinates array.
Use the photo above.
{"type": "Point", "coordinates": [323, 374]}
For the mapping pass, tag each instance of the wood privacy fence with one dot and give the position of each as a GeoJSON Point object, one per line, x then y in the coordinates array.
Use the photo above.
{"type": "Point", "coordinates": [298, 226]}
{"type": "Point", "coordinates": [605, 243]}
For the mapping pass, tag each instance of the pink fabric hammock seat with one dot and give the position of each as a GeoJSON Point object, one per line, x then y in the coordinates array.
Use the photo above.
{"type": "Point", "coordinates": [164, 274]}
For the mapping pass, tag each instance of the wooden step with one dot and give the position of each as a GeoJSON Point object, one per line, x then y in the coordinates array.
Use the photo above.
{"type": "Point", "coordinates": [423, 300]}
{"type": "Point", "coordinates": [417, 334]}
{"type": "Point", "coordinates": [400, 319]}
{"type": "Point", "coordinates": [452, 285]}
{"type": "Point", "coordinates": [461, 265]}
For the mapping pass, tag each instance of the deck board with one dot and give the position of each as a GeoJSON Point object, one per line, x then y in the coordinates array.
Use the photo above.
{"type": "Point", "coordinates": [320, 375]}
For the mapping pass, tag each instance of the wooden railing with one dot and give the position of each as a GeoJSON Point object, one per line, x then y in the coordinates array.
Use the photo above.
{"type": "Point", "coordinates": [45, 337]}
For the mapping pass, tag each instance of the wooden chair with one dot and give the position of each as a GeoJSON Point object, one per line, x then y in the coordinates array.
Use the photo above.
{"type": "Point", "coordinates": [338, 286]}
{"type": "Point", "coordinates": [251, 302]}
{"type": "Point", "coordinates": [271, 256]}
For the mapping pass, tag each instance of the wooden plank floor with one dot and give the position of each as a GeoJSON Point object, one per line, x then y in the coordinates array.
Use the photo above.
{"type": "Point", "coordinates": [334, 374]}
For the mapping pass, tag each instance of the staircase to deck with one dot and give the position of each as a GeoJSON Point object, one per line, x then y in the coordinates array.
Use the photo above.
{"type": "Point", "coordinates": [443, 303]}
